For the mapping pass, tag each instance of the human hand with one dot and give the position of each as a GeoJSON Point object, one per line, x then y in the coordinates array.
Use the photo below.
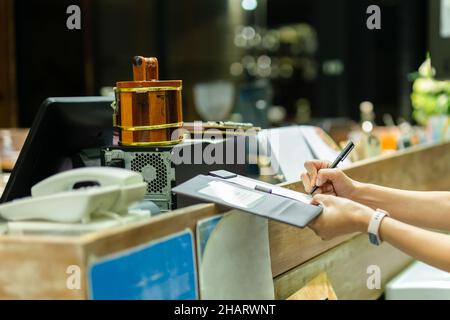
{"type": "Point", "coordinates": [330, 181]}
{"type": "Point", "coordinates": [339, 216]}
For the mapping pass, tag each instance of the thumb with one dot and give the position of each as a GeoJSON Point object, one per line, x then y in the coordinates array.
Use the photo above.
{"type": "Point", "coordinates": [322, 199]}
{"type": "Point", "coordinates": [325, 175]}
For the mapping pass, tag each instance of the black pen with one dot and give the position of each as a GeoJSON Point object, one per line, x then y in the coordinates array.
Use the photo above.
{"type": "Point", "coordinates": [341, 157]}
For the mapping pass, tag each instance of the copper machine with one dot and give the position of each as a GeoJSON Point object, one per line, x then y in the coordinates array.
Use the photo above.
{"type": "Point", "coordinates": [148, 121]}
{"type": "Point", "coordinates": [148, 111]}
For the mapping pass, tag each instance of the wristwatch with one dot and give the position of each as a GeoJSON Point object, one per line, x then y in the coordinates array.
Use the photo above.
{"type": "Point", "coordinates": [374, 226]}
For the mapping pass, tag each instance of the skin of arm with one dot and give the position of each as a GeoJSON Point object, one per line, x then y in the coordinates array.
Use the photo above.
{"type": "Point", "coordinates": [423, 209]}
{"type": "Point", "coordinates": [342, 216]}
{"type": "Point", "coordinates": [430, 247]}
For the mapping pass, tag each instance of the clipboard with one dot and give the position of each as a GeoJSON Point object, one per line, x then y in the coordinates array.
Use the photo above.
{"type": "Point", "coordinates": [252, 196]}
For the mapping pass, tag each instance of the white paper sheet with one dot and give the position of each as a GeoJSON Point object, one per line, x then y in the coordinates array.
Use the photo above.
{"type": "Point", "coordinates": [251, 184]}
{"type": "Point", "coordinates": [321, 144]}
{"type": "Point", "coordinates": [287, 151]}
{"type": "Point", "coordinates": [236, 196]}
{"type": "Point", "coordinates": [236, 260]}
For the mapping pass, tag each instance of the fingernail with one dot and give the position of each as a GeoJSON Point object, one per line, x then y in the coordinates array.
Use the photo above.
{"type": "Point", "coordinates": [318, 182]}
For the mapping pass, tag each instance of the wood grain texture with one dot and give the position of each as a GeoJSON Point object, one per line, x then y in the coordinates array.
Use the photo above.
{"type": "Point", "coordinates": [121, 238]}
{"type": "Point", "coordinates": [318, 288]}
{"type": "Point", "coordinates": [346, 266]}
{"type": "Point", "coordinates": [419, 168]}
{"type": "Point", "coordinates": [37, 270]}
{"type": "Point", "coordinates": [422, 168]}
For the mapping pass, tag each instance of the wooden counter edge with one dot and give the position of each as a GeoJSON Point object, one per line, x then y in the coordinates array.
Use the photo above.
{"type": "Point", "coordinates": [347, 267]}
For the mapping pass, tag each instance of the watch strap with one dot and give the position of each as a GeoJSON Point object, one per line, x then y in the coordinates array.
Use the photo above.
{"type": "Point", "coordinates": [374, 226]}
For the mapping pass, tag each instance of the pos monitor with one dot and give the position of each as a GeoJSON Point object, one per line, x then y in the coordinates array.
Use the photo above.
{"type": "Point", "coordinates": [66, 133]}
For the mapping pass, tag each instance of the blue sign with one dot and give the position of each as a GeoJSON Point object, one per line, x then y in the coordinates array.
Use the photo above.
{"type": "Point", "coordinates": [161, 270]}
{"type": "Point", "coordinates": [204, 229]}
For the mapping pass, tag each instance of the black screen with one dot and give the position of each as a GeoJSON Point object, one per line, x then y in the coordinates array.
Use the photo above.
{"type": "Point", "coordinates": [62, 128]}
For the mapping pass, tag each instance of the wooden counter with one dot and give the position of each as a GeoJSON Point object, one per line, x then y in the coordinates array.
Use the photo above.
{"type": "Point", "coordinates": [35, 266]}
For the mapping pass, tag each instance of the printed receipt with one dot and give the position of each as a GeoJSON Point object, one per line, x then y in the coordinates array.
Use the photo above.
{"type": "Point", "coordinates": [236, 196]}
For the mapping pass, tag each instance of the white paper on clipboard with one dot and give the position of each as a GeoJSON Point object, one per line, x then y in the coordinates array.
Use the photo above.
{"type": "Point", "coordinates": [279, 191]}
{"type": "Point", "coordinates": [236, 196]}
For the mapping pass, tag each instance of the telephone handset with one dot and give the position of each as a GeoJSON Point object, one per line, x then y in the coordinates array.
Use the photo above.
{"type": "Point", "coordinates": [72, 179]}
{"type": "Point", "coordinates": [73, 196]}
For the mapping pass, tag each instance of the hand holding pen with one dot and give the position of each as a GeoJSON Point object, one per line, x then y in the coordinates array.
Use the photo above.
{"type": "Point", "coordinates": [323, 177]}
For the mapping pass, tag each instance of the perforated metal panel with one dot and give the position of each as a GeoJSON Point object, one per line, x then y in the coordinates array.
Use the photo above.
{"type": "Point", "coordinates": [156, 169]}
{"type": "Point", "coordinates": [156, 177]}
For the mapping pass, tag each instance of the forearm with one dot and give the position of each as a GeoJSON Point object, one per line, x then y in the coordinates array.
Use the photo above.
{"type": "Point", "coordinates": [430, 247]}
{"type": "Point", "coordinates": [424, 209]}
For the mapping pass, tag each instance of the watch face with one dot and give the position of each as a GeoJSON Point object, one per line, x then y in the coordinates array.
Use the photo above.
{"type": "Point", "coordinates": [373, 239]}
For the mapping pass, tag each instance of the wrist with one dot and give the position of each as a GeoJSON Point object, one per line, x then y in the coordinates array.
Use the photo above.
{"type": "Point", "coordinates": [362, 218]}
{"type": "Point", "coordinates": [360, 192]}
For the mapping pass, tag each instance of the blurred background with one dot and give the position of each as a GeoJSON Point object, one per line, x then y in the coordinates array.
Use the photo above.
{"type": "Point", "coordinates": [269, 62]}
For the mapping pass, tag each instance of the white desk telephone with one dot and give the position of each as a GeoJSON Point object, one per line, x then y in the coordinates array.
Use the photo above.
{"type": "Point", "coordinates": [73, 196]}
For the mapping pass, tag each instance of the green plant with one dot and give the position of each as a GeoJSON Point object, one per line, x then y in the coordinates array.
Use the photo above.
{"type": "Point", "coordinates": [429, 96]}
